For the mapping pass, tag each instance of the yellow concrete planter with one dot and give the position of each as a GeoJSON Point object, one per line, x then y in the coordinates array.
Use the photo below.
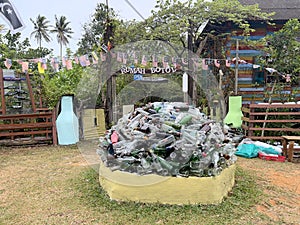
{"type": "Point", "coordinates": [152, 188]}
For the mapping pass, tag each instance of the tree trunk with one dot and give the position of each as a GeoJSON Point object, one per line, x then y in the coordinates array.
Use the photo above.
{"type": "Point", "coordinates": [60, 51]}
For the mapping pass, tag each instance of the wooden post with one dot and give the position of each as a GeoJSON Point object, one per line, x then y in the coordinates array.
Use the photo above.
{"type": "Point", "coordinates": [111, 79]}
{"type": "Point", "coordinates": [2, 93]}
{"type": "Point", "coordinates": [251, 117]}
{"type": "Point", "coordinates": [236, 68]}
{"type": "Point", "coordinates": [54, 135]}
{"type": "Point", "coordinates": [290, 152]}
{"type": "Point", "coordinates": [109, 91]}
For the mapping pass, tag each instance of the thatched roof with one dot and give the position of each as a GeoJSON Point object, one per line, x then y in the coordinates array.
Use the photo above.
{"type": "Point", "coordinates": [284, 9]}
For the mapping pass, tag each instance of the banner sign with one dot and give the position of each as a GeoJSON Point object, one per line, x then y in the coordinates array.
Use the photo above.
{"type": "Point", "coordinates": [133, 70]}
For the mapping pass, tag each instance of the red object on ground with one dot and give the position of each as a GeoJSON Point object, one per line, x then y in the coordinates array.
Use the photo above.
{"type": "Point", "coordinates": [114, 137]}
{"type": "Point", "coordinates": [265, 156]}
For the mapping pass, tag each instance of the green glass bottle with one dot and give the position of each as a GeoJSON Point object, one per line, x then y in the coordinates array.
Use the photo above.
{"type": "Point", "coordinates": [186, 119]}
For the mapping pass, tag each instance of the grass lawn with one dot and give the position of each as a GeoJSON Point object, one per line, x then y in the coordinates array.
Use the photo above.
{"type": "Point", "coordinates": [55, 185]}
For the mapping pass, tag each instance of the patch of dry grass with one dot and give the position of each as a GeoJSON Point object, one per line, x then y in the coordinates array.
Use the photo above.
{"type": "Point", "coordinates": [54, 185]}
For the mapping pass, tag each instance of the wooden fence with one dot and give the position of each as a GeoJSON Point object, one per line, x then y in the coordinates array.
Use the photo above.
{"type": "Point", "coordinates": [271, 121]}
{"type": "Point", "coordinates": [20, 129]}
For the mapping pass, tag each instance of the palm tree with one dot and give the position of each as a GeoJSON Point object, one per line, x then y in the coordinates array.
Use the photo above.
{"type": "Point", "coordinates": [63, 31]}
{"type": "Point", "coordinates": [41, 29]}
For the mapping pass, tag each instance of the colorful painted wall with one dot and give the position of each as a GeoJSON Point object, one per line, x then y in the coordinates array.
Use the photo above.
{"type": "Point", "coordinates": [252, 81]}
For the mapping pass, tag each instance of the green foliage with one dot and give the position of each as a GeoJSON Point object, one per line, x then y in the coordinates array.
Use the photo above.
{"type": "Point", "coordinates": [94, 31]}
{"type": "Point", "coordinates": [63, 31]}
{"type": "Point", "coordinates": [88, 88]}
{"type": "Point", "coordinates": [130, 31]}
{"type": "Point", "coordinates": [12, 47]}
{"type": "Point", "coordinates": [283, 49]}
{"type": "Point", "coordinates": [41, 29]}
{"type": "Point", "coordinates": [83, 82]}
{"type": "Point", "coordinates": [62, 83]}
{"type": "Point", "coordinates": [173, 19]}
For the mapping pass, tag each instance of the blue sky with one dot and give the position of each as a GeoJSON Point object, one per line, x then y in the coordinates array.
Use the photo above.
{"type": "Point", "coordinates": [77, 12]}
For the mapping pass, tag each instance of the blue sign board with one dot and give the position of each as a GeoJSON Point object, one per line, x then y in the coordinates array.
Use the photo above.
{"type": "Point", "coordinates": [137, 77]}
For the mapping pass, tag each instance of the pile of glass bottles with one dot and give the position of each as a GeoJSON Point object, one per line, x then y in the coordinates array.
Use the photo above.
{"type": "Point", "coordinates": [169, 139]}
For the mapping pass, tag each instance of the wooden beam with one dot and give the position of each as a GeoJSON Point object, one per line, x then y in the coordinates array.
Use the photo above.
{"type": "Point", "coordinates": [2, 93]}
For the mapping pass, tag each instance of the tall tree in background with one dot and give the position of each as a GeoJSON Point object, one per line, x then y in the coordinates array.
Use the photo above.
{"type": "Point", "coordinates": [41, 29]}
{"type": "Point", "coordinates": [130, 31]}
{"type": "Point", "coordinates": [12, 47]}
{"type": "Point", "coordinates": [94, 30]}
{"type": "Point", "coordinates": [283, 49]}
{"type": "Point", "coordinates": [194, 24]}
{"type": "Point", "coordinates": [174, 20]}
{"type": "Point", "coordinates": [63, 31]}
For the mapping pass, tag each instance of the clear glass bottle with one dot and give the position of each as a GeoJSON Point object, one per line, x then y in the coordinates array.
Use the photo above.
{"type": "Point", "coordinates": [166, 141]}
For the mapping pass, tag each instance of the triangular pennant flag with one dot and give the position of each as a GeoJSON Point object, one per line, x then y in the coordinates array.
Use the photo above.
{"type": "Point", "coordinates": [76, 60]}
{"type": "Point", "coordinates": [55, 64]}
{"type": "Point", "coordinates": [154, 61]}
{"type": "Point", "coordinates": [8, 63]}
{"type": "Point", "coordinates": [144, 60]}
{"type": "Point", "coordinates": [95, 57]}
{"type": "Point", "coordinates": [124, 58]}
{"type": "Point", "coordinates": [40, 68]}
{"type": "Point", "coordinates": [135, 58]}
{"type": "Point", "coordinates": [204, 64]}
{"type": "Point", "coordinates": [228, 63]}
{"type": "Point", "coordinates": [63, 61]}
{"type": "Point", "coordinates": [44, 64]}
{"type": "Point", "coordinates": [69, 65]}
{"type": "Point", "coordinates": [119, 57]}
{"type": "Point", "coordinates": [102, 56]}
{"type": "Point", "coordinates": [87, 60]}
{"type": "Point", "coordinates": [113, 54]}
{"type": "Point", "coordinates": [166, 61]}
{"type": "Point", "coordinates": [25, 66]}
{"type": "Point", "coordinates": [217, 63]}
{"type": "Point", "coordinates": [109, 46]}
{"type": "Point", "coordinates": [82, 60]}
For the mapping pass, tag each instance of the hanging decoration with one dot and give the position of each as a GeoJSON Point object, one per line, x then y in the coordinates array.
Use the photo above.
{"type": "Point", "coordinates": [160, 64]}
{"type": "Point", "coordinates": [40, 68]}
{"type": "Point", "coordinates": [8, 63]}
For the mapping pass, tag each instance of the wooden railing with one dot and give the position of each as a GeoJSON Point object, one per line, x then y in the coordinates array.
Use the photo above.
{"type": "Point", "coordinates": [21, 129]}
{"type": "Point", "coordinates": [271, 121]}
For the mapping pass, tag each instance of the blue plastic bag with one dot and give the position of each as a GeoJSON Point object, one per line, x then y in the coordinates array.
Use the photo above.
{"type": "Point", "coordinates": [247, 150]}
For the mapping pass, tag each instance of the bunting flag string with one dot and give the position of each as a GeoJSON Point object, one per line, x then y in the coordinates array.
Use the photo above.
{"type": "Point", "coordinates": [124, 58]}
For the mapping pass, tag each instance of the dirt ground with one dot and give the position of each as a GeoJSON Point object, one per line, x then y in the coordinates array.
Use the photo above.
{"type": "Point", "coordinates": [281, 182]}
{"type": "Point", "coordinates": [20, 179]}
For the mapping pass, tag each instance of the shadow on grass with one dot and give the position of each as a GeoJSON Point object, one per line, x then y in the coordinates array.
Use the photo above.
{"type": "Point", "coordinates": [239, 203]}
